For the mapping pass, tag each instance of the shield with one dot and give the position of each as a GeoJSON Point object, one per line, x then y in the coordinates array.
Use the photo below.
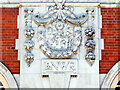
{"type": "Point", "coordinates": [59, 33]}
{"type": "Point", "coordinates": [59, 39]}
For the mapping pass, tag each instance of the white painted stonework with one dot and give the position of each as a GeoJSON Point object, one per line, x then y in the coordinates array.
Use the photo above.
{"type": "Point", "coordinates": [99, 1]}
{"type": "Point", "coordinates": [59, 66]}
{"type": "Point", "coordinates": [75, 69]}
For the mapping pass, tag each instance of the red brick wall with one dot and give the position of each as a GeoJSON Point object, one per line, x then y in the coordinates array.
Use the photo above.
{"type": "Point", "coordinates": [111, 34]}
{"type": "Point", "coordinates": [9, 34]}
{"type": "Point", "coordinates": [0, 34]}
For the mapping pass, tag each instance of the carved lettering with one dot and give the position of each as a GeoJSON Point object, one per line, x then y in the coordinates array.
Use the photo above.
{"type": "Point", "coordinates": [59, 65]}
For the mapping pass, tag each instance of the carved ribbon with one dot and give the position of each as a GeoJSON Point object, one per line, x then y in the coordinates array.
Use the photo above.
{"type": "Point", "coordinates": [60, 12]}
{"type": "Point", "coordinates": [79, 21]}
{"type": "Point", "coordinates": [42, 21]}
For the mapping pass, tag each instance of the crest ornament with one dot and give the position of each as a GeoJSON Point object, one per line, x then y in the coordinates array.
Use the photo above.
{"type": "Point", "coordinates": [60, 33]}
{"type": "Point", "coordinates": [59, 43]}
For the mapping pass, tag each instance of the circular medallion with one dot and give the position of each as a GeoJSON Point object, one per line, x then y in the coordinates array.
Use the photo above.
{"type": "Point", "coordinates": [59, 40]}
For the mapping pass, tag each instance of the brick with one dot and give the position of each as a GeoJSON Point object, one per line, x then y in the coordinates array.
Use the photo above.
{"type": "Point", "coordinates": [9, 34]}
{"type": "Point", "coordinates": [110, 32]}
{"type": "Point", "coordinates": [111, 35]}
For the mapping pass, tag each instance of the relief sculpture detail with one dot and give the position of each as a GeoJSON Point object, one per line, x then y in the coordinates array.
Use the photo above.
{"type": "Point", "coordinates": [60, 35]}
{"type": "Point", "coordinates": [60, 32]}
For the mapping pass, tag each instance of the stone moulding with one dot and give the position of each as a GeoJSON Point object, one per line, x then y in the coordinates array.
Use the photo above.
{"type": "Point", "coordinates": [89, 4]}
{"type": "Point", "coordinates": [20, 1]}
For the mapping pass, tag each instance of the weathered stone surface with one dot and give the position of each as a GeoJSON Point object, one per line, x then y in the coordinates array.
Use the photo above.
{"type": "Point", "coordinates": [99, 1]}
{"type": "Point", "coordinates": [58, 60]}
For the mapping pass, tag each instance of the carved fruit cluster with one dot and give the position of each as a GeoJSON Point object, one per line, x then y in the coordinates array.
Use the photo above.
{"type": "Point", "coordinates": [90, 56]}
{"type": "Point", "coordinates": [28, 45]}
{"type": "Point", "coordinates": [90, 44]}
{"type": "Point", "coordinates": [29, 33]}
{"type": "Point", "coordinates": [90, 31]}
{"type": "Point", "coordinates": [29, 58]}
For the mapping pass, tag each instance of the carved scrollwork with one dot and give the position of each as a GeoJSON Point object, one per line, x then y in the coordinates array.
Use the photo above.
{"type": "Point", "coordinates": [29, 58]}
{"type": "Point", "coordinates": [77, 20]}
{"type": "Point", "coordinates": [60, 12]}
{"type": "Point", "coordinates": [57, 37]}
{"type": "Point", "coordinates": [90, 44]}
{"type": "Point", "coordinates": [28, 45]}
{"type": "Point", "coordinates": [29, 32]}
{"type": "Point", "coordinates": [42, 21]}
{"type": "Point", "coordinates": [90, 31]}
{"type": "Point", "coordinates": [90, 56]}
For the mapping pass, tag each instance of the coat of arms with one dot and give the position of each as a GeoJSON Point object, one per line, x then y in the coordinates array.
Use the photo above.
{"type": "Point", "coordinates": [60, 31]}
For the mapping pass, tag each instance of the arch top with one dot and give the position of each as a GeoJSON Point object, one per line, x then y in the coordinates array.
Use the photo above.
{"type": "Point", "coordinates": [6, 74]}
{"type": "Point", "coordinates": [111, 75]}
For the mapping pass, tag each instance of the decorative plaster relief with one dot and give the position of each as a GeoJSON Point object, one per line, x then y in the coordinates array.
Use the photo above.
{"type": "Point", "coordinates": [90, 45]}
{"type": "Point", "coordinates": [29, 32]}
{"type": "Point", "coordinates": [61, 35]}
{"type": "Point", "coordinates": [60, 30]}
{"type": "Point", "coordinates": [28, 12]}
{"type": "Point", "coordinates": [59, 66]}
{"type": "Point", "coordinates": [28, 45]}
{"type": "Point", "coordinates": [59, 43]}
{"type": "Point", "coordinates": [90, 57]}
{"type": "Point", "coordinates": [29, 58]}
{"type": "Point", "coordinates": [90, 31]}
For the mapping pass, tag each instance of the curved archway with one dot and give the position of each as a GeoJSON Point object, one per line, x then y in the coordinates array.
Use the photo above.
{"type": "Point", "coordinates": [3, 82]}
{"type": "Point", "coordinates": [115, 81]}
{"type": "Point", "coordinates": [111, 78]}
{"type": "Point", "coordinates": [6, 78]}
